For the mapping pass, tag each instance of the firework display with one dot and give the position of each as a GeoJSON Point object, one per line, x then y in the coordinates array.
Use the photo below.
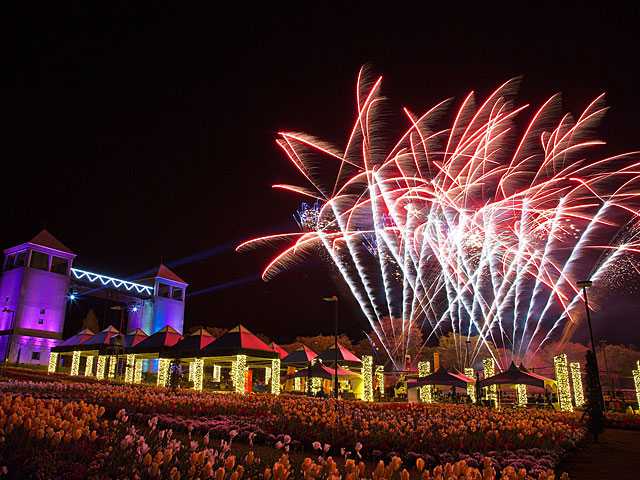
{"type": "Point", "coordinates": [480, 225]}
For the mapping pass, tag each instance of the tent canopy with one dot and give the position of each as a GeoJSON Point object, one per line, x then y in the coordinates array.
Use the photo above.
{"type": "Point", "coordinates": [516, 376]}
{"type": "Point", "coordinates": [301, 356]}
{"type": "Point", "coordinates": [159, 341]}
{"type": "Point", "coordinates": [71, 343]}
{"type": "Point", "coordinates": [190, 346]}
{"type": "Point", "coordinates": [319, 370]}
{"type": "Point", "coordinates": [344, 356]}
{"type": "Point", "coordinates": [239, 341]}
{"type": "Point", "coordinates": [444, 377]}
{"type": "Point", "coordinates": [134, 337]}
{"type": "Point", "coordinates": [279, 350]}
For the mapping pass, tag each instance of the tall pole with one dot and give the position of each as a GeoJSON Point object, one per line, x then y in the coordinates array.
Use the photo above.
{"type": "Point", "coordinates": [584, 285]}
{"type": "Point", "coordinates": [335, 346]}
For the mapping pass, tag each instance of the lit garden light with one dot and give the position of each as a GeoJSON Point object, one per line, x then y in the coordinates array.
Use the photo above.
{"type": "Point", "coordinates": [491, 392]}
{"type": "Point", "coordinates": [100, 367]}
{"type": "Point", "coordinates": [367, 378]}
{"type": "Point", "coordinates": [521, 391]}
{"type": "Point", "coordinates": [137, 374]}
{"type": "Point", "coordinates": [471, 388]}
{"type": "Point", "coordinates": [424, 369]}
{"type": "Point", "coordinates": [562, 381]}
{"type": "Point", "coordinates": [130, 368]}
{"type": "Point", "coordinates": [88, 368]}
{"type": "Point", "coordinates": [163, 372]}
{"type": "Point", "coordinates": [380, 379]}
{"type": "Point", "coordinates": [113, 360]}
{"type": "Point", "coordinates": [275, 376]}
{"type": "Point", "coordinates": [75, 363]}
{"type": "Point", "coordinates": [576, 380]}
{"type": "Point", "coordinates": [198, 374]}
{"type": "Point", "coordinates": [53, 362]}
{"type": "Point", "coordinates": [238, 369]}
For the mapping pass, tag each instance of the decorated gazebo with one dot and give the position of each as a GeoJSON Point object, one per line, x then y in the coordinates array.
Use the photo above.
{"type": "Point", "coordinates": [345, 357]}
{"type": "Point", "coordinates": [152, 347]}
{"type": "Point", "coordinates": [241, 351]}
{"type": "Point", "coordinates": [519, 378]}
{"type": "Point", "coordinates": [299, 358]}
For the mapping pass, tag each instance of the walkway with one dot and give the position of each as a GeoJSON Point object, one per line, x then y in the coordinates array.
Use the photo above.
{"type": "Point", "coordinates": [615, 456]}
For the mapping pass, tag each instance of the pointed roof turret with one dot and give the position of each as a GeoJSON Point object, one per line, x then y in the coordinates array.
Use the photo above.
{"type": "Point", "coordinates": [45, 239]}
{"type": "Point", "coordinates": [167, 274]}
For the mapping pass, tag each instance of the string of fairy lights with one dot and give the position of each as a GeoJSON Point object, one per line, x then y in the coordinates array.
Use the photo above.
{"type": "Point", "coordinates": [88, 368]}
{"type": "Point", "coordinates": [100, 367]}
{"type": "Point", "coordinates": [562, 381]}
{"type": "Point", "coordinates": [75, 363]}
{"type": "Point", "coordinates": [568, 377]}
{"type": "Point", "coordinates": [576, 380]}
{"type": "Point", "coordinates": [424, 369]}
{"type": "Point", "coordinates": [367, 378]}
{"type": "Point", "coordinates": [471, 389]}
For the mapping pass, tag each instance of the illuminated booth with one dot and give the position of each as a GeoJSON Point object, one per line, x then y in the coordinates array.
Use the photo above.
{"type": "Point", "coordinates": [190, 349]}
{"type": "Point", "coordinates": [300, 358]}
{"type": "Point", "coordinates": [519, 378]}
{"type": "Point", "coordinates": [151, 348]}
{"type": "Point", "coordinates": [321, 379]}
{"type": "Point", "coordinates": [242, 353]}
{"type": "Point", "coordinates": [441, 377]}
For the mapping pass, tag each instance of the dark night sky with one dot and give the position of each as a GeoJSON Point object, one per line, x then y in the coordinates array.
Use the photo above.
{"type": "Point", "coordinates": [135, 134]}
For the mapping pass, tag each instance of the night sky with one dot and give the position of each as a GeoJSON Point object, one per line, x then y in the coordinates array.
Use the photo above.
{"type": "Point", "coordinates": [137, 134]}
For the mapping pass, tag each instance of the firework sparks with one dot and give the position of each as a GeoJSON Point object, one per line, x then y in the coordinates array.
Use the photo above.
{"type": "Point", "coordinates": [467, 228]}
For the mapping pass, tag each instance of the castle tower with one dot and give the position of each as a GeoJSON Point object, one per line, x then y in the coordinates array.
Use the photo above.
{"type": "Point", "coordinates": [165, 307]}
{"type": "Point", "coordinates": [33, 298]}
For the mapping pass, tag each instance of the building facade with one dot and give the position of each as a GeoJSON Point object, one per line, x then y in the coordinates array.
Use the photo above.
{"type": "Point", "coordinates": [39, 280]}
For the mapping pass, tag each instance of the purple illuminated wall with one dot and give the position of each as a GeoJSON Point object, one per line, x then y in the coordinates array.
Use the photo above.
{"type": "Point", "coordinates": [142, 318]}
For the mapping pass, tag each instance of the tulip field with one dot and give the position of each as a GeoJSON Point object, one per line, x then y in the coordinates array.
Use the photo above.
{"type": "Point", "coordinates": [106, 431]}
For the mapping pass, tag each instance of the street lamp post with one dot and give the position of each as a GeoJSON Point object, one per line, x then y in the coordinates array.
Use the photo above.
{"type": "Point", "coordinates": [584, 285]}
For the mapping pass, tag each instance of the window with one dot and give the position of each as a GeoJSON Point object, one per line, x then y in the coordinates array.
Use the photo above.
{"type": "Point", "coordinates": [35, 355]}
{"type": "Point", "coordinates": [42, 311]}
{"type": "Point", "coordinates": [163, 290]}
{"type": "Point", "coordinates": [41, 321]}
{"type": "Point", "coordinates": [39, 260]}
{"type": "Point", "coordinates": [59, 265]}
{"type": "Point", "coordinates": [176, 293]}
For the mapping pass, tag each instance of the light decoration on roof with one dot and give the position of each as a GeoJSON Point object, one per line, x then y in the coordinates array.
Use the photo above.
{"type": "Point", "coordinates": [53, 362]}
{"type": "Point", "coordinates": [562, 380]}
{"type": "Point", "coordinates": [137, 374]}
{"type": "Point", "coordinates": [163, 372]}
{"type": "Point", "coordinates": [471, 388]}
{"type": "Point", "coordinates": [490, 392]}
{"type": "Point", "coordinates": [198, 373]}
{"type": "Point", "coordinates": [102, 362]}
{"type": "Point", "coordinates": [107, 281]}
{"type": "Point", "coordinates": [275, 376]}
{"type": "Point", "coordinates": [576, 380]}
{"type": "Point", "coordinates": [424, 369]}
{"type": "Point", "coordinates": [367, 378]}
{"type": "Point", "coordinates": [113, 360]}
{"type": "Point", "coordinates": [88, 368]}
{"type": "Point", "coordinates": [217, 373]}
{"type": "Point", "coordinates": [129, 370]}
{"type": "Point", "coordinates": [75, 363]}
{"type": "Point", "coordinates": [636, 381]}
{"type": "Point", "coordinates": [521, 393]}
{"type": "Point", "coordinates": [238, 369]}
{"type": "Point", "coordinates": [380, 379]}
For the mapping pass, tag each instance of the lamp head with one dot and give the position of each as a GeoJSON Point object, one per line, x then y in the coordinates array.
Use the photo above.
{"type": "Point", "coordinates": [585, 284]}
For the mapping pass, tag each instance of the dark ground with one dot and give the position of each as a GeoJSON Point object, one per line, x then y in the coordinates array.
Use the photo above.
{"type": "Point", "coordinates": [616, 455]}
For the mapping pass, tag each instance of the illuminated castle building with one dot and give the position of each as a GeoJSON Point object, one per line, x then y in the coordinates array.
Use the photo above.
{"type": "Point", "coordinates": [39, 282]}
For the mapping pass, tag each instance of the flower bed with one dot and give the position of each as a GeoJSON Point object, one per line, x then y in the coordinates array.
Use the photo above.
{"type": "Point", "coordinates": [428, 429]}
{"type": "Point", "coordinates": [70, 440]}
{"type": "Point", "coordinates": [625, 421]}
